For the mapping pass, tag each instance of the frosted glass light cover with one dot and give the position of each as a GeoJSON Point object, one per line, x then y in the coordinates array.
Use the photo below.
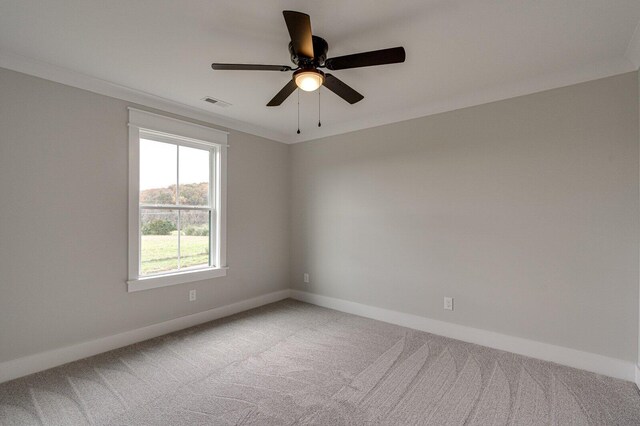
{"type": "Point", "coordinates": [309, 81]}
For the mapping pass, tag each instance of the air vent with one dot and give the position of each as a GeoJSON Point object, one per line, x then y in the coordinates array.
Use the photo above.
{"type": "Point", "coordinates": [216, 102]}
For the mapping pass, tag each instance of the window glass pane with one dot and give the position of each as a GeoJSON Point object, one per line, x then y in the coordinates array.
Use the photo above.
{"type": "Point", "coordinates": [194, 176]}
{"type": "Point", "coordinates": [194, 239]}
{"type": "Point", "coordinates": [158, 172]}
{"type": "Point", "coordinates": [158, 241]}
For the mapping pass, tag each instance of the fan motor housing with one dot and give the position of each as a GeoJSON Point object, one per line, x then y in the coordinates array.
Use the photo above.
{"type": "Point", "coordinates": [320, 48]}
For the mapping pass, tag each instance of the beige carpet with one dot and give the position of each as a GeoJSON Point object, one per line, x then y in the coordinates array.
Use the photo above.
{"type": "Point", "coordinates": [294, 363]}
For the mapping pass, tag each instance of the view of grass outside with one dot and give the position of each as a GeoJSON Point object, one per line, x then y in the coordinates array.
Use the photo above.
{"type": "Point", "coordinates": [160, 252]}
{"type": "Point", "coordinates": [163, 248]}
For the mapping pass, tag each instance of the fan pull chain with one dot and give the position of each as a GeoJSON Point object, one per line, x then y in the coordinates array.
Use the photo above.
{"type": "Point", "coordinates": [319, 123]}
{"type": "Point", "coordinates": [298, 111]}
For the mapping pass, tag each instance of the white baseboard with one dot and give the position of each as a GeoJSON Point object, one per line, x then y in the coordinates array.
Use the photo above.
{"type": "Point", "coordinates": [600, 364]}
{"type": "Point", "coordinates": [561, 355]}
{"type": "Point", "coordinates": [19, 367]}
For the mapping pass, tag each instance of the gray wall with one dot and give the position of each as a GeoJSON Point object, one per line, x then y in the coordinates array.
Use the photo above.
{"type": "Point", "coordinates": [525, 211]}
{"type": "Point", "coordinates": [63, 221]}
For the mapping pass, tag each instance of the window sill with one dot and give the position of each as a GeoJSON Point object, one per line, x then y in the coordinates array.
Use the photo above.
{"type": "Point", "coordinates": [147, 283]}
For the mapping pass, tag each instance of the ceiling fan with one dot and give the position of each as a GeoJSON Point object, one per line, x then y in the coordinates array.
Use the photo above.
{"type": "Point", "coordinates": [309, 53]}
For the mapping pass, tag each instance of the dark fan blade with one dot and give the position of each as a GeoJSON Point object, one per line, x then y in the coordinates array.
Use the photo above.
{"type": "Point", "coordinates": [250, 67]}
{"type": "Point", "coordinates": [366, 59]}
{"type": "Point", "coordinates": [341, 89]}
{"type": "Point", "coordinates": [283, 94]}
{"type": "Point", "coordinates": [299, 26]}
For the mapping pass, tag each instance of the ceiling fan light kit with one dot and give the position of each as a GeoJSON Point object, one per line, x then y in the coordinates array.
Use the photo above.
{"type": "Point", "coordinates": [308, 80]}
{"type": "Point", "coordinates": [308, 53]}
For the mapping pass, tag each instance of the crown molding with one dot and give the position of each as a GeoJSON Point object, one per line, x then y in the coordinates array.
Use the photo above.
{"type": "Point", "coordinates": [496, 93]}
{"type": "Point", "coordinates": [37, 68]}
{"type": "Point", "coordinates": [16, 62]}
{"type": "Point", "coordinates": [633, 48]}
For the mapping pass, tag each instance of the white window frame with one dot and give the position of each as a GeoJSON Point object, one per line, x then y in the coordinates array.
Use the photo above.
{"type": "Point", "coordinates": [187, 134]}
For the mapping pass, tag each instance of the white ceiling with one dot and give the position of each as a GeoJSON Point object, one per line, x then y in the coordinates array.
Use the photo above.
{"type": "Point", "coordinates": [459, 53]}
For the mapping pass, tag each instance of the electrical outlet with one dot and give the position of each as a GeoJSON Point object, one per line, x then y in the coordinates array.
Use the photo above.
{"type": "Point", "coordinates": [306, 278]}
{"type": "Point", "coordinates": [192, 295]}
{"type": "Point", "coordinates": [448, 303]}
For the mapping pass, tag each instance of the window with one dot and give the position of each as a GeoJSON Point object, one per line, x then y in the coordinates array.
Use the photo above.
{"type": "Point", "coordinates": [177, 193]}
